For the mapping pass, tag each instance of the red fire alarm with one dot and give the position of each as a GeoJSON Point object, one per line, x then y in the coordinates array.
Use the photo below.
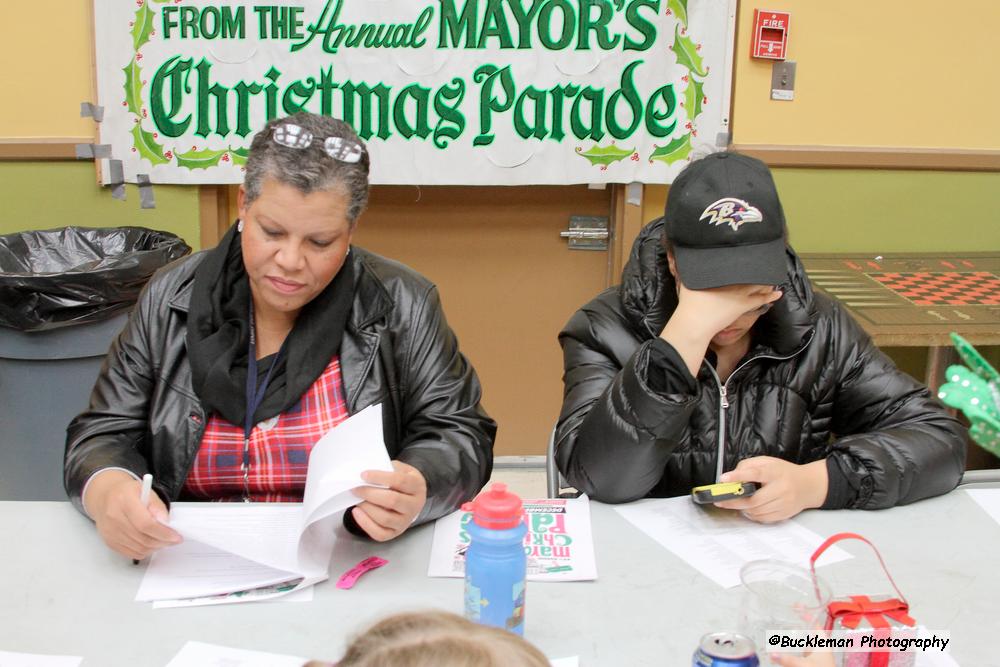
{"type": "Point", "coordinates": [770, 34]}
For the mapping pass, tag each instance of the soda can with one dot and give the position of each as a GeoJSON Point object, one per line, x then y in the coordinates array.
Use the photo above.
{"type": "Point", "coordinates": [725, 649]}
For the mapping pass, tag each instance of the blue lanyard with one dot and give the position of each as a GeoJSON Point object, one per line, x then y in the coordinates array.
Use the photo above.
{"type": "Point", "coordinates": [255, 394]}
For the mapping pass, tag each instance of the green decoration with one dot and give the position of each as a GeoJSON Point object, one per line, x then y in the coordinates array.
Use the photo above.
{"type": "Point", "coordinates": [687, 53]}
{"type": "Point", "coordinates": [239, 156]}
{"type": "Point", "coordinates": [203, 159]}
{"type": "Point", "coordinates": [693, 97]}
{"type": "Point", "coordinates": [607, 155]}
{"type": "Point", "coordinates": [679, 8]}
{"type": "Point", "coordinates": [976, 392]}
{"type": "Point", "coordinates": [133, 87]}
{"type": "Point", "coordinates": [974, 360]}
{"type": "Point", "coordinates": [146, 144]}
{"type": "Point", "coordinates": [678, 149]}
{"type": "Point", "coordinates": [143, 25]}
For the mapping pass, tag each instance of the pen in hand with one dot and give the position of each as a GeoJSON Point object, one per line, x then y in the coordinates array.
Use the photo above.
{"type": "Point", "coordinates": [147, 486]}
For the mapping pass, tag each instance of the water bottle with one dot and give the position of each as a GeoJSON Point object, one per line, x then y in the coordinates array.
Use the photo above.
{"type": "Point", "coordinates": [495, 563]}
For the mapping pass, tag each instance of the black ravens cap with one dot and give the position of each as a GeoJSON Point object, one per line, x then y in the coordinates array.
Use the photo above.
{"type": "Point", "coordinates": [725, 223]}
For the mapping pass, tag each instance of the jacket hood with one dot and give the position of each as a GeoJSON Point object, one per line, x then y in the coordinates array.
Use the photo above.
{"type": "Point", "coordinates": [649, 295]}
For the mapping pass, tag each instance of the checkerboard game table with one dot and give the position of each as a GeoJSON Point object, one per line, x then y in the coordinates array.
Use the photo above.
{"type": "Point", "coordinates": [916, 299]}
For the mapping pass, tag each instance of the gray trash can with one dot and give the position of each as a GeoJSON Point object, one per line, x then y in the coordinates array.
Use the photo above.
{"type": "Point", "coordinates": [45, 380]}
{"type": "Point", "coordinates": [64, 296]}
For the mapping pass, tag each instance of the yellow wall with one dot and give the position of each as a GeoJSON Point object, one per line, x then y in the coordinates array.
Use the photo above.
{"type": "Point", "coordinates": [55, 74]}
{"type": "Point", "coordinates": [911, 73]}
{"type": "Point", "coordinates": [51, 68]}
{"type": "Point", "coordinates": [906, 76]}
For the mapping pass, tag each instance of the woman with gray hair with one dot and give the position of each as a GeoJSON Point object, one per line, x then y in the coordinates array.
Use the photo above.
{"type": "Point", "coordinates": [236, 360]}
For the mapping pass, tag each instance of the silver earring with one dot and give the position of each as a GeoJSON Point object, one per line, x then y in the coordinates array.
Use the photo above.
{"type": "Point", "coordinates": [239, 226]}
{"type": "Point", "coordinates": [348, 252]}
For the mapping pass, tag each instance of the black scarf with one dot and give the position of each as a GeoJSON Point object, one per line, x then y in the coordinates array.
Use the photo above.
{"type": "Point", "coordinates": [218, 336]}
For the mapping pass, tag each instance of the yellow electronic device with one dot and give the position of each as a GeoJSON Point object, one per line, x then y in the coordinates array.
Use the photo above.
{"type": "Point", "coordinates": [713, 493]}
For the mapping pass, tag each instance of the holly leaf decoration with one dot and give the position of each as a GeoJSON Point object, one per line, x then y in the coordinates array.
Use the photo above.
{"type": "Point", "coordinates": [975, 361]}
{"type": "Point", "coordinates": [146, 144]}
{"type": "Point", "coordinates": [202, 159]}
{"type": "Point", "coordinates": [693, 97]}
{"type": "Point", "coordinates": [679, 9]}
{"type": "Point", "coordinates": [607, 155]}
{"type": "Point", "coordinates": [239, 156]}
{"type": "Point", "coordinates": [133, 87]}
{"type": "Point", "coordinates": [687, 53]}
{"type": "Point", "coordinates": [142, 26]}
{"type": "Point", "coordinates": [979, 400]}
{"type": "Point", "coordinates": [678, 149]}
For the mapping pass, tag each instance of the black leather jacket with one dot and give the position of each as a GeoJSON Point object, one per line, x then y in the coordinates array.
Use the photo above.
{"type": "Point", "coordinates": [397, 350]}
{"type": "Point", "coordinates": [634, 423]}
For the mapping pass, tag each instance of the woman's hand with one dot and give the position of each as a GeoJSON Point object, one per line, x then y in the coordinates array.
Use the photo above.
{"type": "Point", "coordinates": [387, 513]}
{"type": "Point", "coordinates": [786, 488]}
{"type": "Point", "coordinates": [123, 522]}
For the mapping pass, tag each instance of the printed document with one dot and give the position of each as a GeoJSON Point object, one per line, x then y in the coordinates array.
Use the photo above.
{"type": "Point", "coordinates": [559, 543]}
{"type": "Point", "coordinates": [236, 552]}
{"type": "Point", "coordinates": [717, 542]}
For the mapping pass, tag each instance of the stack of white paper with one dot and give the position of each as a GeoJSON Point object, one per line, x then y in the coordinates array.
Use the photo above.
{"type": "Point", "coordinates": [235, 552]}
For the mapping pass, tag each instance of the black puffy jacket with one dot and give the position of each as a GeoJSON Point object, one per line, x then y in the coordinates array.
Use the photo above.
{"type": "Point", "coordinates": [397, 349]}
{"type": "Point", "coordinates": [813, 386]}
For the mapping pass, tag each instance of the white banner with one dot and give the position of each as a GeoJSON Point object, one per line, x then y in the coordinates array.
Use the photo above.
{"type": "Point", "coordinates": [467, 92]}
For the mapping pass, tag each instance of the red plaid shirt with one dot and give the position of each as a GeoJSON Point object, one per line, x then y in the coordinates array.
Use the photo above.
{"type": "Point", "coordinates": [279, 447]}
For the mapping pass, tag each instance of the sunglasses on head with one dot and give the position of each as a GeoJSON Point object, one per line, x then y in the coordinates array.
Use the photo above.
{"type": "Point", "coordinates": [291, 135]}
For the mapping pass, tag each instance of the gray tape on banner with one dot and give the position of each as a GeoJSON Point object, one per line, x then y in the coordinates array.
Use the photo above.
{"type": "Point", "coordinates": [91, 151]}
{"type": "Point", "coordinates": [116, 174]}
{"type": "Point", "coordinates": [722, 139]}
{"type": "Point", "coordinates": [88, 110]}
{"type": "Point", "coordinates": [146, 199]}
{"type": "Point", "coordinates": [633, 193]}
{"type": "Point", "coordinates": [116, 179]}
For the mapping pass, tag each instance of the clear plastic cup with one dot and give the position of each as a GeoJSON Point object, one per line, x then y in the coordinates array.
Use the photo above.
{"type": "Point", "coordinates": [779, 597]}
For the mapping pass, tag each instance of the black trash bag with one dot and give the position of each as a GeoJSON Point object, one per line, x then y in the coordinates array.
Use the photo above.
{"type": "Point", "coordinates": [75, 275]}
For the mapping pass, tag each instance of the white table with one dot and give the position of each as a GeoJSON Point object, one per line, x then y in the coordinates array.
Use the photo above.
{"type": "Point", "coordinates": [63, 592]}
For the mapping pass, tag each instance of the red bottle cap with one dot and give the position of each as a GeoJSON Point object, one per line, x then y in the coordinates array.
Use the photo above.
{"type": "Point", "coordinates": [496, 508]}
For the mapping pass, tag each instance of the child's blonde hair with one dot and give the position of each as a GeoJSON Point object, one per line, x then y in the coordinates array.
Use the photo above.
{"type": "Point", "coordinates": [437, 639]}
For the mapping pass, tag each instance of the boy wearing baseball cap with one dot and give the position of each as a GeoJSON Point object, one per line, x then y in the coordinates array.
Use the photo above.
{"type": "Point", "coordinates": [715, 361]}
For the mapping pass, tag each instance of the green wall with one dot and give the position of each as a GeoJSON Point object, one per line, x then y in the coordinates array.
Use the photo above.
{"type": "Point", "coordinates": [42, 195]}
{"type": "Point", "coordinates": [852, 210]}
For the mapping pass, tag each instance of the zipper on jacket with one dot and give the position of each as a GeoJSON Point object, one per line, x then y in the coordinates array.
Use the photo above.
{"type": "Point", "coordinates": [724, 398]}
{"type": "Point", "coordinates": [723, 406]}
